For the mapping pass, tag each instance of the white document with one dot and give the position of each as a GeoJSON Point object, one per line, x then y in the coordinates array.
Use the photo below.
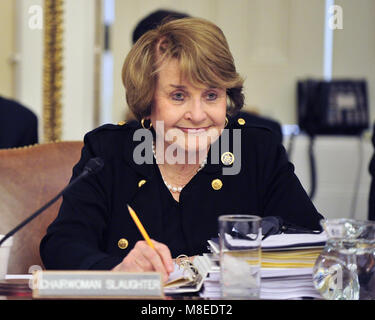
{"type": "Point", "coordinates": [295, 239]}
{"type": "Point", "coordinates": [284, 272]}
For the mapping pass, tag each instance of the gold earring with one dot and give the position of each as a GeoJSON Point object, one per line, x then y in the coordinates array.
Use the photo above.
{"type": "Point", "coordinates": [226, 122]}
{"type": "Point", "coordinates": [143, 123]}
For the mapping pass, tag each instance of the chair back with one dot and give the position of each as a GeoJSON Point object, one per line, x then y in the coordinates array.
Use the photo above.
{"type": "Point", "coordinates": [30, 177]}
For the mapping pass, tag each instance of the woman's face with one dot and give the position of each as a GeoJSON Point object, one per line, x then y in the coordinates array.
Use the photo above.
{"type": "Point", "coordinates": [193, 117]}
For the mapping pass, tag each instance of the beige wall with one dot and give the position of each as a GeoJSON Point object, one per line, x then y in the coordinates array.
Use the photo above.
{"type": "Point", "coordinates": [354, 45]}
{"type": "Point", "coordinates": [274, 42]}
{"type": "Point", "coordinates": [28, 69]}
{"type": "Point", "coordinates": [7, 47]}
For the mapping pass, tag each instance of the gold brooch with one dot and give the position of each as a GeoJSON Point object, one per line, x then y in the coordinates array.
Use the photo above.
{"type": "Point", "coordinates": [227, 158]}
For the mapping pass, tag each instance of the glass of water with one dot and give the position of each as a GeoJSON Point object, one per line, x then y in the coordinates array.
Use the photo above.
{"type": "Point", "coordinates": [240, 256]}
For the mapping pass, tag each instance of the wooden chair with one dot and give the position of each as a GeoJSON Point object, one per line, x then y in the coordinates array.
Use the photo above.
{"type": "Point", "coordinates": [29, 177]}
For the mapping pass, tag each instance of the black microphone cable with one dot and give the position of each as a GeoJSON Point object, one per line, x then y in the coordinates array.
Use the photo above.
{"type": "Point", "coordinates": [313, 179]}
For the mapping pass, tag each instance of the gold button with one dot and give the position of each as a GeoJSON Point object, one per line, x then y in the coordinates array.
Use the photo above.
{"type": "Point", "coordinates": [227, 158]}
{"type": "Point", "coordinates": [123, 243]}
{"type": "Point", "coordinates": [121, 123]}
{"type": "Point", "coordinates": [216, 184]}
{"type": "Point", "coordinates": [141, 183]}
{"type": "Point", "coordinates": [241, 121]}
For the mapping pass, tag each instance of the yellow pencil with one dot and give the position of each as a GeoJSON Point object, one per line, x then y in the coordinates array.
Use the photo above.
{"type": "Point", "coordinates": [140, 227]}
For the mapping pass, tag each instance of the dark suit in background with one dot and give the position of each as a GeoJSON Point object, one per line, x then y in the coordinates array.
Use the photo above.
{"type": "Point", "coordinates": [18, 125]}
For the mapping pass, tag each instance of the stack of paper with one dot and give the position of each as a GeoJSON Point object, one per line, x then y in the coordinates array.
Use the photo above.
{"type": "Point", "coordinates": [278, 284]}
{"type": "Point", "coordinates": [287, 262]}
{"type": "Point", "coordinates": [291, 283]}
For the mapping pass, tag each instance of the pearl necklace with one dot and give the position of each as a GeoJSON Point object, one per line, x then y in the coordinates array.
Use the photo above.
{"type": "Point", "coordinates": [170, 187]}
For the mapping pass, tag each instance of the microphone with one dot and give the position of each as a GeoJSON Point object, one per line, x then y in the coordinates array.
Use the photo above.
{"type": "Point", "coordinates": [93, 166]}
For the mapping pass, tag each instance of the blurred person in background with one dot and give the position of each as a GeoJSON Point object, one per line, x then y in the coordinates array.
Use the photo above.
{"type": "Point", "coordinates": [18, 125]}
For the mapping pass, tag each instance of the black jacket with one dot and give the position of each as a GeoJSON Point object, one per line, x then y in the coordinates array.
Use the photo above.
{"type": "Point", "coordinates": [18, 125]}
{"type": "Point", "coordinates": [93, 216]}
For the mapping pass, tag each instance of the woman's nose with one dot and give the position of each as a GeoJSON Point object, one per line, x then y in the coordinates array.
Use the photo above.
{"type": "Point", "coordinates": [196, 111]}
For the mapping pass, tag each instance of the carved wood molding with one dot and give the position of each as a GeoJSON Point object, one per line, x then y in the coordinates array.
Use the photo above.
{"type": "Point", "coordinates": [53, 69]}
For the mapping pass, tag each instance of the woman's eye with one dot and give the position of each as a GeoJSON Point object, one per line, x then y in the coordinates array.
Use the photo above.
{"type": "Point", "coordinates": [211, 96]}
{"type": "Point", "coordinates": [178, 96]}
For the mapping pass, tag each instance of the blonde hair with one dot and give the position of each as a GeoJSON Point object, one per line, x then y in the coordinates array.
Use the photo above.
{"type": "Point", "coordinates": [203, 55]}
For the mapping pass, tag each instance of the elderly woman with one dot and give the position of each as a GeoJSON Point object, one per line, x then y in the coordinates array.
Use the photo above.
{"type": "Point", "coordinates": [182, 84]}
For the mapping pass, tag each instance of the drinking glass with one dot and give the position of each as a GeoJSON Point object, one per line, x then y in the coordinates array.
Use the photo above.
{"type": "Point", "coordinates": [240, 256]}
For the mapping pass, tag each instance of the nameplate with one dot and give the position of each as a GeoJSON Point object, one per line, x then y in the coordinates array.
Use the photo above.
{"type": "Point", "coordinates": [96, 285]}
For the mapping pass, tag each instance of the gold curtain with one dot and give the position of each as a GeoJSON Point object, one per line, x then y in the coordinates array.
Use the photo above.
{"type": "Point", "coordinates": [53, 69]}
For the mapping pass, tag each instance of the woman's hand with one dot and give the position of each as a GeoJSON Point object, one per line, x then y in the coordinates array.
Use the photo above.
{"type": "Point", "coordinates": [143, 258]}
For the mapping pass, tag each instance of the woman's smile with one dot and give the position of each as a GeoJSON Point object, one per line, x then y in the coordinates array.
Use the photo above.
{"type": "Point", "coordinates": [194, 130]}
